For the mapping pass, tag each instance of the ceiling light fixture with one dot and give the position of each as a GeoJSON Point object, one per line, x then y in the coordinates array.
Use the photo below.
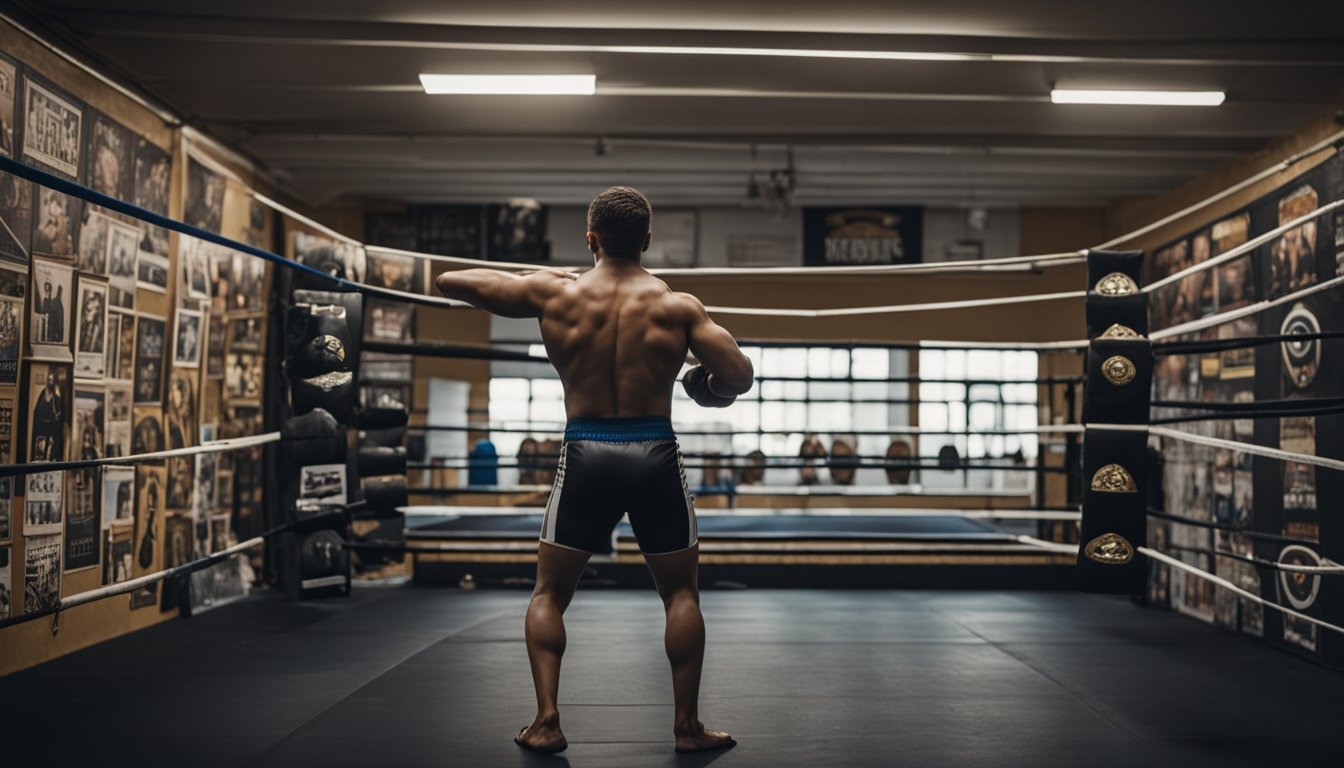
{"type": "Point", "coordinates": [542, 85]}
{"type": "Point", "coordinates": [1153, 98]}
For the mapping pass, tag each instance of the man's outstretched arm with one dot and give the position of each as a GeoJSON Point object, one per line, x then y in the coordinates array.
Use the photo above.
{"type": "Point", "coordinates": [502, 293]}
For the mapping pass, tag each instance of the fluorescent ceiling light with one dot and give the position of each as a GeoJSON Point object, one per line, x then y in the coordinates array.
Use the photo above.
{"type": "Point", "coordinates": [1158, 98]}
{"type": "Point", "coordinates": [807, 53]}
{"type": "Point", "coordinates": [581, 85]}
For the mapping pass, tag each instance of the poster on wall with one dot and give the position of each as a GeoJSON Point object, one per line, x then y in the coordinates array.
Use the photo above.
{"type": "Point", "coordinates": [147, 543]}
{"type": "Point", "coordinates": [153, 173]}
{"type": "Point", "coordinates": [149, 348]}
{"type": "Point", "coordinates": [16, 217]}
{"type": "Point", "coordinates": [7, 424]}
{"type": "Point", "coordinates": [205, 196]}
{"type": "Point", "coordinates": [13, 288]}
{"type": "Point", "coordinates": [1292, 257]}
{"type": "Point", "coordinates": [9, 86]}
{"type": "Point", "coordinates": [123, 245]}
{"type": "Point", "coordinates": [151, 271]}
{"type": "Point", "coordinates": [52, 311]}
{"type": "Point", "coordinates": [91, 329]}
{"type": "Point", "coordinates": [48, 415]}
{"type": "Point", "coordinates": [862, 236]}
{"type": "Point", "coordinates": [147, 429]}
{"type": "Point", "coordinates": [41, 573]}
{"type": "Point", "coordinates": [118, 495]}
{"type": "Point", "coordinates": [82, 532]}
{"type": "Point", "coordinates": [52, 129]}
{"type": "Point", "coordinates": [118, 419]}
{"type": "Point", "coordinates": [121, 343]}
{"type": "Point", "coordinates": [117, 562]}
{"type": "Point", "coordinates": [56, 228]}
{"type": "Point", "coordinates": [110, 158]}
{"type": "Point", "coordinates": [188, 331]}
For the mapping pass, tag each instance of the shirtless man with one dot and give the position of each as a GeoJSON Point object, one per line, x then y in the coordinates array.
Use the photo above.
{"type": "Point", "coordinates": [617, 336]}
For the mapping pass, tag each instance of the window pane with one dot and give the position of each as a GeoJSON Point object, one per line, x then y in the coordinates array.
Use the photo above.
{"type": "Point", "coordinates": [870, 363]}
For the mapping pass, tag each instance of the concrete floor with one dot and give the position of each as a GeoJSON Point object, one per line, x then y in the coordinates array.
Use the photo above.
{"type": "Point", "coordinates": [438, 677]}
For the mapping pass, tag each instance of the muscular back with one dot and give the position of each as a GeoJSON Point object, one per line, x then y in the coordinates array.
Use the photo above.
{"type": "Point", "coordinates": [618, 340]}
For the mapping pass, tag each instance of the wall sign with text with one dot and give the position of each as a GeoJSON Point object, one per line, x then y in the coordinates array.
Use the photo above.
{"type": "Point", "coordinates": [862, 236]}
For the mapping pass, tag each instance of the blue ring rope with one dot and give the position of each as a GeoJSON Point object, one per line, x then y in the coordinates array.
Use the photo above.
{"type": "Point", "coordinates": [74, 189]}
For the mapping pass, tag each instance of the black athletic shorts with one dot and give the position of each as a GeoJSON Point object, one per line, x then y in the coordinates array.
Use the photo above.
{"type": "Point", "coordinates": [614, 467]}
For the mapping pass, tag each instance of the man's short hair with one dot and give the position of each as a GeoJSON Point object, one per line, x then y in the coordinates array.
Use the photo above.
{"type": "Point", "coordinates": [621, 217]}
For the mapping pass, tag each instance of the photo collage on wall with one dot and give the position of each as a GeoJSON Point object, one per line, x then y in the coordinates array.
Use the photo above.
{"type": "Point", "coordinates": [1224, 486]}
{"type": "Point", "coordinates": [114, 337]}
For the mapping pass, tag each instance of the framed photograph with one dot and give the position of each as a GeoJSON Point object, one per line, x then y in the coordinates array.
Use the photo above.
{"type": "Point", "coordinates": [91, 329]}
{"type": "Point", "coordinates": [243, 372]}
{"type": "Point", "coordinates": [148, 546]}
{"type": "Point", "coordinates": [16, 217]}
{"type": "Point", "coordinates": [119, 407]}
{"type": "Point", "coordinates": [41, 572]}
{"type": "Point", "coordinates": [121, 344]}
{"type": "Point", "coordinates": [82, 533]}
{"type": "Point", "coordinates": [194, 257]}
{"type": "Point", "coordinates": [48, 411]}
{"type": "Point", "coordinates": [1293, 256]}
{"type": "Point", "coordinates": [149, 353]}
{"type": "Point", "coordinates": [13, 289]}
{"type": "Point", "coordinates": [118, 495]}
{"type": "Point", "coordinates": [111, 161]}
{"type": "Point", "coordinates": [9, 96]}
{"type": "Point", "coordinates": [187, 337]}
{"type": "Point", "coordinates": [91, 255]}
{"type": "Point", "coordinates": [245, 332]}
{"type": "Point", "coordinates": [52, 129]}
{"type": "Point", "coordinates": [123, 245]}
{"type": "Point", "coordinates": [205, 196]}
{"type": "Point", "coordinates": [90, 425]}
{"type": "Point", "coordinates": [153, 172]}
{"type": "Point", "coordinates": [151, 271]}
{"type": "Point", "coordinates": [117, 563]}
{"type": "Point", "coordinates": [215, 332]}
{"type": "Point", "coordinates": [8, 421]}
{"type": "Point", "coordinates": [52, 310]}
{"type": "Point", "coordinates": [42, 504]}
{"type": "Point", "coordinates": [56, 229]}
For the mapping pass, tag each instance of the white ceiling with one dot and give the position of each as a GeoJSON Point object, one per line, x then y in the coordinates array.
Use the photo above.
{"type": "Point", "coordinates": [325, 93]}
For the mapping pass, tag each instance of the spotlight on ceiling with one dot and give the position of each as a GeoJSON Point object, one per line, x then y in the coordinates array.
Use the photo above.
{"type": "Point", "coordinates": [1153, 98]}
{"type": "Point", "coordinates": [540, 85]}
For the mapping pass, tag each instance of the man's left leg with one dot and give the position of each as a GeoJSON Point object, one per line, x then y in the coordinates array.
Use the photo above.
{"type": "Point", "coordinates": [558, 572]}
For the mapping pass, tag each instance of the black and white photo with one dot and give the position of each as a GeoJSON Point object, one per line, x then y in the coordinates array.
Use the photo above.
{"type": "Point", "coordinates": [118, 495]}
{"type": "Point", "coordinates": [6, 584]}
{"type": "Point", "coordinates": [7, 508]}
{"type": "Point", "coordinates": [396, 271]}
{"type": "Point", "coordinates": [118, 442]}
{"type": "Point", "coordinates": [9, 84]}
{"type": "Point", "coordinates": [205, 196]}
{"type": "Point", "coordinates": [42, 506]}
{"type": "Point", "coordinates": [110, 158]}
{"type": "Point", "coordinates": [82, 533]}
{"type": "Point", "coordinates": [16, 217]}
{"type": "Point", "coordinates": [323, 483]}
{"type": "Point", "coordinates": [117, 563]}
{"type": "Point", "coordinates": [147, 434]}
{"type": "Point", "coordinates": [41, 572]}
{"type": "Point", "coordinates": [48, 411]}
{"type": "Point", "coordinates": [149, 354]}
{"type": "Point", "coordinates": [245, 333]}
{"type": "Point", "coordinates": [91, 329]}
{"type": "Point", "coordinates": [13, 288]}
{"type": "Point", "coordinates": [51, 129]}
{"type": "Point", "coordinates": [52, 309]}
{"type": "Point", "coordinates": [243, 373]}
{"type": "Point", "coordinates": [122, 252]}
{"type": "Point", "coordinates": [151, 271]}
{"type": "Point", "coordinates": [187, 333]}
{"type": "Point", "coordinates": [121, 362]}
{"type": "Point", "coordinates": [54, 229]}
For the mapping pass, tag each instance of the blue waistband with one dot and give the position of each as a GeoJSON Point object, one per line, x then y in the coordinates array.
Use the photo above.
{"type": "Point", "coordinates": [626, 429]}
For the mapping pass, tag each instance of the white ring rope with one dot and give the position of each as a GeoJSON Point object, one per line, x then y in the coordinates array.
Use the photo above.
{"type": "Point", "coordinates": [1244, 248]}
{"type": "Point", "coordinates": [970, 514]}
{"type": "Point", "coordinates": [898, 308]}
{"type": "Point", "coordinates": [1220, 581]}
{"type": "Point", "coordinates": [1250, 309]}
{"type": "Point", "coordinates": [142, 581]}
{"type": "Point", "coordinates": [1201, 573]}
{"type": "Point", "coordinates": [1218, 442]}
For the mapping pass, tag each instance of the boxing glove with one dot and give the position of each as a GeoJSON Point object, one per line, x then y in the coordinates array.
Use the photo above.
{"type": "Point", "coordinates": [696, 384]}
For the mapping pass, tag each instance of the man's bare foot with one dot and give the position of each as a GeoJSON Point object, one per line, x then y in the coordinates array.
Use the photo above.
{"type": "Point", "coordinates": [698, 738]}
{"type": "Point", "coordinates": [542, 736]}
